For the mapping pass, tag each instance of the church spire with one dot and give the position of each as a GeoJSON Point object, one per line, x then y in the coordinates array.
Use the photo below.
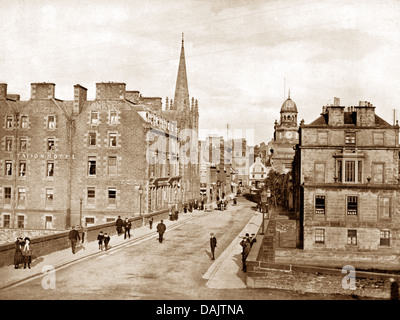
{"type": "Point", "coordinates": [181, 99]}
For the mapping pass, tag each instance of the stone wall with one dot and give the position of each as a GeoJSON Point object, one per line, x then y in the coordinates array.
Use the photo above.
{"type": "Point", "coordinates": [10, 235]}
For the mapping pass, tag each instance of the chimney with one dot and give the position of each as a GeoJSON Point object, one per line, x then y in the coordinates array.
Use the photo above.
{"type": "Point", "coordinates": [80, 97]}
{"type": "Point", "coordinates": [3, 91]}
{"type": "Point", "coordinates": [133, 96]}
{"type": "Point", "coordinates": [110, 91]}
{"type": "Point", "coordinates": [365, 114]}
{"type": "Point", "coordinates": [42, 90]}
{"type": "Point", "coordinates": [15, 97]}
{"type": "Point", "coordinates": [335, 113]}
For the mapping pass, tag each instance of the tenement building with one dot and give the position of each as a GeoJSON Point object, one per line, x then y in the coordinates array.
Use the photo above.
{"type": "Point", "coordinates": [347, 173]}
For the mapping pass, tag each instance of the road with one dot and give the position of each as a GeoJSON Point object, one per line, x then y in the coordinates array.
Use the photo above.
{"type": "Point", "coordinates": [149, 270]}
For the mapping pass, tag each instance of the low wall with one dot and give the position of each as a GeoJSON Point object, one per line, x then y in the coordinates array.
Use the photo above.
{"type": "Point", "coordinates": [8, 235]}
{"type": "Point", "coordinates": [305, 279]}
{"type": "Point", "coordinates": [43, 245]}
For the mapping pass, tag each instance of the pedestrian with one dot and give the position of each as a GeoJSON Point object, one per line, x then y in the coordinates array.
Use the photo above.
{"type": "Point", "coordinates": [27, 253]}
{"type": "Point", "coordinates": [185, 207]}
{"type": "Point", "coordinates": [119, 223]}
{"type": "Point", "coordinates": [245, 252]}
{"type": "Point", "coordinates": [74, 237]}
{"type": "Point", "coordinates": [213, 244]}
{"type": "Point", "coordinates": [161, 230]}
{"type": "Point", "coordinates": [252, 239]}
{"type": "Point", "coordinates": [202, 205]}
{"type": "Point", "coordinates": [151, 223]}
{"type": "Point", "coordinates": [18, 257]}
{"type": "Point", "coordinates": [106, 240]}
{"type": "Point", "coordinates": [394, 289]}
{"type": "Point", "coordinates": [100, 239]}
{"type": "Point", "coordinates": [127, 227]}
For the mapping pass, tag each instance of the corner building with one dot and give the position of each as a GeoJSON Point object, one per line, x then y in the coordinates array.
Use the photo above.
{"type": "Point", "coordinates": [347, 172]}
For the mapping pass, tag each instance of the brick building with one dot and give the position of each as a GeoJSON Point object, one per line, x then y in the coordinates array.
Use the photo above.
{"type": "Point", "coordinates": [347, 181]}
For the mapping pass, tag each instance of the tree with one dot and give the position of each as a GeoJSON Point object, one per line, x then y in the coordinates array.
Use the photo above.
{"type": "Point", "coordinates": [279, 184]}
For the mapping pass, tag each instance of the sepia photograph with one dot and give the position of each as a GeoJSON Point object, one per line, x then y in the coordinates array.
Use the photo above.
{"type": "Point", "coordinates": [202, 156]}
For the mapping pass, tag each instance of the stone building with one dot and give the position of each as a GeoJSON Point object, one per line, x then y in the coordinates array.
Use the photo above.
{"type": "Point", "coordinates": [347, 181]}
{"type": "Point", "coordinates": [242, 158]}
{"type": "Point", "coordinates": [63, 162]}
{"type": "Point", "coordinates": [258, 172]}
{"type": "Point", "coordinates": [281, 147]}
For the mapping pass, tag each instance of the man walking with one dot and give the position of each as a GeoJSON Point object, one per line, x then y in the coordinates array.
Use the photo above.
{"type": "Point", "coordinates": [213, 244]}
{"type": "Point", "coordinates": [119, 223]}
{"type": "Point", "coordinates": [127, 226]}
{"type": "Point", "coordinates": [151, 223]}
{"type": "Point", "coordinates": [245, 252]}
{"type": "Point", "coordinates": [161, 230]}
{"type": "Point", "coordinates": [74, 237]}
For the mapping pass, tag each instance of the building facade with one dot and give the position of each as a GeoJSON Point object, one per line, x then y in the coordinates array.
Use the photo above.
{"type": "Point", "coordinates": [347, 178]}
{"type": "Point", "coordinates": [258, 172]}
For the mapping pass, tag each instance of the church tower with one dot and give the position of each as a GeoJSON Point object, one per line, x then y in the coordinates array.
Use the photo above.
{"type": "Point", "coordinates": [181, 99]}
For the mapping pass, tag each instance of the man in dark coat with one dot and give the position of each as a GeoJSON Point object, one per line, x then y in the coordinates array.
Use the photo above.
{"type": "Point", "coordinates": [161, 230]}
{"type": "Point", "coordinates": [245, 243]}
{"type": "Point", "coordinates": [119, 223]}
{"type": "Point", "coordinates": [394, 289]}
{"type": "Point", "coordinates": [127, 227]}
{"type": "Point", "coordinates": [213, 244]}
{"type": "Point", "coordinates": [74, 237]}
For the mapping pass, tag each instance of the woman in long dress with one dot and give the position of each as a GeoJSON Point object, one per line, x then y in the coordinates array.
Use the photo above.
{"type": "Point", "coordinates": [18, 258]}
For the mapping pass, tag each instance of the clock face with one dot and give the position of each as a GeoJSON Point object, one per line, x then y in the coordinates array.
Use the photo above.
{"type": "Point", "coordinates": [289, 135]}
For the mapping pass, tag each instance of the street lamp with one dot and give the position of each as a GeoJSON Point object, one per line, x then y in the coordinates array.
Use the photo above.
{"type": "Point", "coordinates": [80, 212]}
{"type": "Point", "coordinates": [265, 194]}
{"type": "Point", "coordinates": [140, 203]}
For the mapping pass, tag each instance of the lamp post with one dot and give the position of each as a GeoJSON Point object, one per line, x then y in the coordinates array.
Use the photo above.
{"type": "Point", "coordinates": [140, 203]}
{"type": "Point", "coordinates": [265, 194]}
{"type": "Point", "coordinates": [80, 212]}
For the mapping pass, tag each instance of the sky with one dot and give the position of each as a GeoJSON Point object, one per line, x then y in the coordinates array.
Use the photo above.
{"type": "Point", "coordinates": [242, 56]}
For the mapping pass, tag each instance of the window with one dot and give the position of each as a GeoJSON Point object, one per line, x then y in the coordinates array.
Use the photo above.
{"type": "Point", "coordinates": [352, 205]}
{"type": "Point", "coordinates": [9, 122]}
{"type": "Point", "coordinates": [112, 194]}
{"type": "Point", "coordinates": [92, 138]}
{"type": "Point", "coordinates": [352, 237]}
{"type": "Point", "coordinates": [50, 144]}
{"type": "Point", "coordinates": [352, 171]}
{"type": "Point", "coordinates": [91, 195]}
{"type": "Point", "coordinates": [112, 165]}
{"type": "Point", "coordinates": [112, 139]}
{"type": "Point", "coordinates": [89, 221]}
{"type": "Point", "coordinates": [50, 169]}
{"type": "Point", "coordinates": [113, 117]}
{"type": "Point", "coordinates": [7, 195]}
{"type": "Point", "coordinates": [94, 118]}
{"type": "Point", "coordinates": [91, 166]}
{"type": "Point", "coordinates": [110, 219]}
{"type": "Point", "coordinates": [385, 238]}
{"type": "Point", "coordinates": [350, 138]}
{"type": "Point", "coordinates": [384, 207]}
{"type": "Point", "coordinates": [22, 168]}
{"type": "Point", "coordinates": [378, 138]}
{"type": "Point", "coordinates": [48, 223]}
{"type": "Point", "coordinates": [322, 138]}
{"type": "Point", "coordinates": [8, 167]}
{"type": "Point", "coordinates": [6, 221]}
{"type": "Point", "coordinates": [22, 144]}
{"type": "Point", "coordinates": [49, 197]}
{"type": "Point", "coordinates": [319, 173]}
{"type": "Point", "coordinates": [320, 204]}
{"type": "Point", "coordinates": [24, 122]}
{"type": "Point", "coordinates": [21, 196]}
{"type": "Point", "coordinates": [319, 236]}
{"type": "Point", "coordinates": [51, 122]}
{"type": "Point", "coordinates": [20, 222]}
{"type": "Point", "coordinates": [9, 144]}
{"type": "Point", "coordinates": [377, 172]}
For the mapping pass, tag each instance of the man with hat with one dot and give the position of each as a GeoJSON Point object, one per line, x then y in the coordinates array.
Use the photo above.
{"type": "Point", "coordinates": [213, 244]}
{"type": "Point", "coordinates": [74, 237]}
{"type": "Point", "coordinates": [245, 243]}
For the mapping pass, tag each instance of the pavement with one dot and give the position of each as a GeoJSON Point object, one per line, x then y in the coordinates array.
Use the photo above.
{"type": "Point", "coordinates": [224, 273]}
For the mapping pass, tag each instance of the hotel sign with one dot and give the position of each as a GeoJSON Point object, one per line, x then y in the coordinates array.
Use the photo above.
{"type": "Point", "coordinates": [46, 156]}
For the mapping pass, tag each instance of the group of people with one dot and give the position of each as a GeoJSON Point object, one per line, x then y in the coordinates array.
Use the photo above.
{"type": "Point", "coordinates": [193, 205]}
{"type": "Point", "coordinates": [23, 253]}
{"type": "Point", "coordinates": [246, 243]}
{"type": "Point", "coordinates": [126, 225]}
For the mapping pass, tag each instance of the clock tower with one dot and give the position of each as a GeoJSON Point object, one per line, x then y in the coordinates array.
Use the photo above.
{"type": "Point", "coordinates": [281, 147]}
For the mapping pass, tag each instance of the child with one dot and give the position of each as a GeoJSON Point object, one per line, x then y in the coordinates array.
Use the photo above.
{"type": "Point", "coordinates": [100, 238]}
{"type": "Point", "coordinates": [106, 240]}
